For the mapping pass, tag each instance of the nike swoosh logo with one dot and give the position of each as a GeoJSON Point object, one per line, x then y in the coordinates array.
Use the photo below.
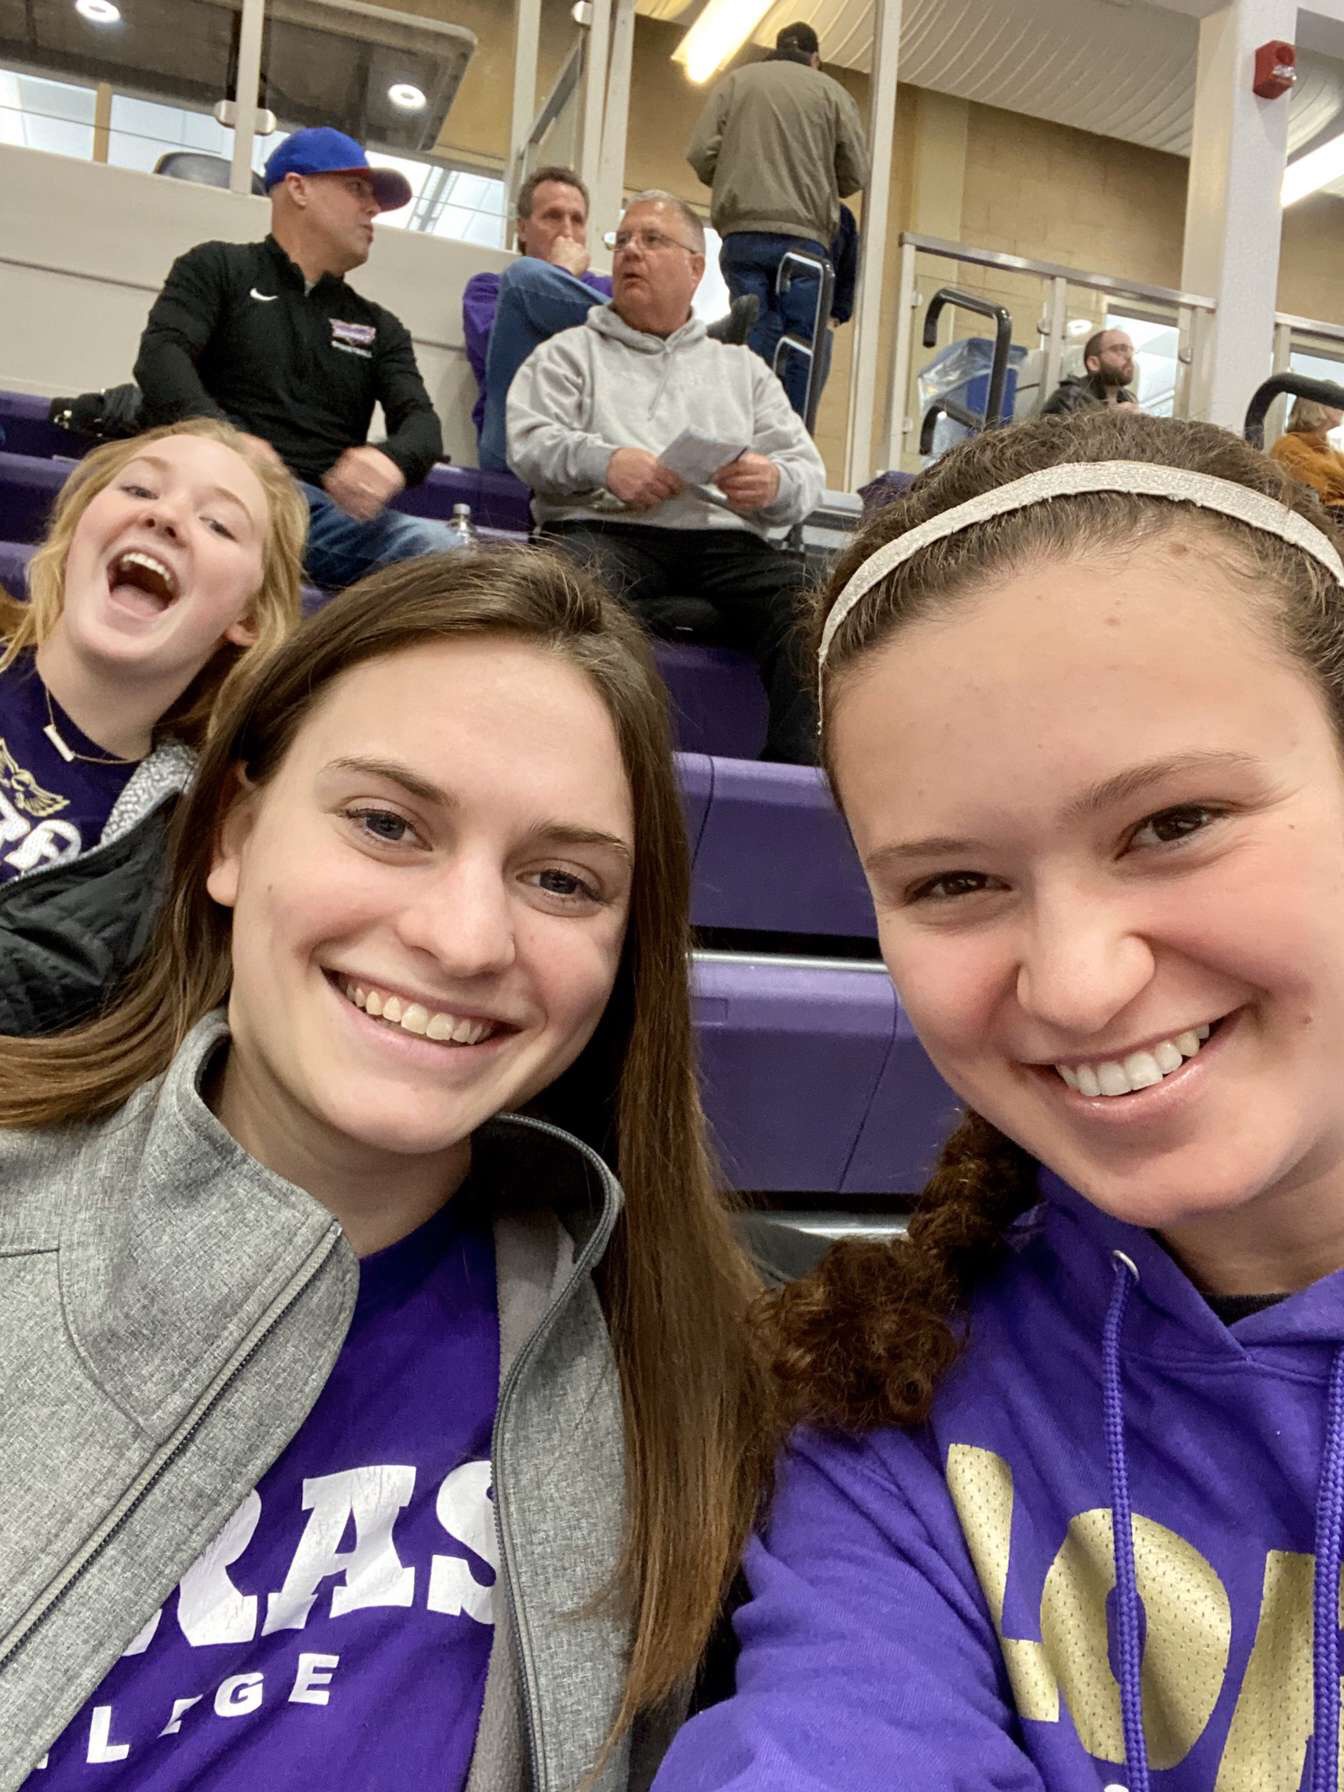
{"type": "Point", "coordinates": [265, 297]}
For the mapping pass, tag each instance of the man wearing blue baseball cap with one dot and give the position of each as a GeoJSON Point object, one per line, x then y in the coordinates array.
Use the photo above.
{"type": "Point", "coordinates": [271, 337]}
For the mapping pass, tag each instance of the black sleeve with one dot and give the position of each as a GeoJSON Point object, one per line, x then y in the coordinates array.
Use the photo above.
{"type": "Point", "coordinates": [181, 322]}
{"type": "Point", "coordinates": [414, 438]}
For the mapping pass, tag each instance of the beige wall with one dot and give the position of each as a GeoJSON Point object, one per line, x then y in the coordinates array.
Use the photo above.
{"type": "Point", "coordinates": [972, 173]}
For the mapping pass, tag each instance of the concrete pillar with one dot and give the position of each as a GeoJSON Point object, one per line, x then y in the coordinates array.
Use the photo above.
{"type": "Point", "coordinates": [1233, 218]}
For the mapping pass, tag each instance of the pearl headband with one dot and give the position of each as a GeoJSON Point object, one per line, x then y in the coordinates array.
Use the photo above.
{"type": "Point", "coordinates": [1140, 477]}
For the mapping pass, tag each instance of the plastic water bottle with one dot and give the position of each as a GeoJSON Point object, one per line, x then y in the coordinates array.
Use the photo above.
{"type": "Point", "coordinates": [462, 529]}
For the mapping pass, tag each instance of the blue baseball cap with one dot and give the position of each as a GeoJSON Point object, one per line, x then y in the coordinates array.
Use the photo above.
{"type": "Point", "coordinates": [323, 150]}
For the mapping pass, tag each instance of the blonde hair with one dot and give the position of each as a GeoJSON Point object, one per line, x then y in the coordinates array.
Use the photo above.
{"type": "Point", "coordinates": [275, 606]}
{"type": "Point", "coordinates": [1309, 418]}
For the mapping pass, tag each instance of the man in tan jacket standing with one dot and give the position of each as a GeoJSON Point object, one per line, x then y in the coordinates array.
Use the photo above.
{"type": "Point", "coordinates": [781, 144]}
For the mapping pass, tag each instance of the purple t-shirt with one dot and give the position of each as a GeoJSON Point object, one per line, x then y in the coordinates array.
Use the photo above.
{"type": "Point", "coordinates": [51, 808]}
{"type": "Point", "coordinates": [337, 1632]}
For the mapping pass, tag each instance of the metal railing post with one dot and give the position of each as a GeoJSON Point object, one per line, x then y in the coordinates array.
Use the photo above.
{"type": "Point", "coordinates": [526, 38]}
{"type": "Point", "coordinates": [250, 28]}
{"type": "Point", "coordinates": [1056, 321]}
{"type": "Point", "coordinates": [900, 424]}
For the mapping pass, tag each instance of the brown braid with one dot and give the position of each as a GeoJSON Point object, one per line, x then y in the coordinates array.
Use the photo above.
{"type": "Point", "coordinates": [865, 1338]}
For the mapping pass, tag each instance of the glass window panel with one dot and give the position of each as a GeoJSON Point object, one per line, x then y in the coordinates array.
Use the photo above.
{"type": "Point", "coordinates": [1155, 364]}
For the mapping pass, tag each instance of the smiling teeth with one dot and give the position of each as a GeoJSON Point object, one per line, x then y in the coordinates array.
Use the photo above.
{"type": "Point", "coordinates": [1140, 1070]}
{"type": "Point", "coordinates": [414, 1017]}
{"type": "Point", "coordinates": [135, 558]}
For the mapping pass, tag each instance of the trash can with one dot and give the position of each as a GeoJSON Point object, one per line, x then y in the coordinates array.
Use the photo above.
{"type": "Point", "coordinates": [961, 372]}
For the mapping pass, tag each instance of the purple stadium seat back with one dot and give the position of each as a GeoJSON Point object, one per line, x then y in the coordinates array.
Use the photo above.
{"type": "Point", "coordinates": [909, 1118]}
{"type": "Point", "coordinates": [14, 557]}
{"type": "Point", "coordinates": [718, 700]}
{"type": "Point", "coordinates": [695, 777]}
{"type": "Point", "coordinates": [26, 429]}
{"type": "Point", "coordinates": [790, 1057]}
{"type": "Point", "coordinates": [497, 500]}
{"type": "Point", "coordinates": [28, 488]}
{"type": "Point", "coordinates": [774, 855]}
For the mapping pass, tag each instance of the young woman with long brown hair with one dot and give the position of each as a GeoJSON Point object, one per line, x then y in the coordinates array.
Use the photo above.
{"type": "Point", "coordinates": [1068, 1509]}
{"type": "Point", "coordinates": [359, 1431]}
{"type": "Point", "coordinates": [171, 559]}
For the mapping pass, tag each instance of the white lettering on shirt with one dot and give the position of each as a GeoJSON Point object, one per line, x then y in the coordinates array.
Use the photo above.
{"type": "Point", "coordinates": [373, 1572]}
{"type": "Point", "coordinates": [464, 1510]}
{"type": "Point", "coordinates": [210, 1608]}
{"type": "Point", "coordinates": [312, 1679]}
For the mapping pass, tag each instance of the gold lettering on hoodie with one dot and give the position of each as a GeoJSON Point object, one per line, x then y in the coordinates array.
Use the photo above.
{"type": "Point", "coordinates": [1189, 1619]}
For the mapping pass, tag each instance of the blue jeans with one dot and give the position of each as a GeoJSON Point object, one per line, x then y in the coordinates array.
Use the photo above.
{"type": "Point", "coordinates": [749, 262]}
{"type": "Point", "coordinates": [535, 301]}
{"type": "Point", "coordinates": [341, 549]}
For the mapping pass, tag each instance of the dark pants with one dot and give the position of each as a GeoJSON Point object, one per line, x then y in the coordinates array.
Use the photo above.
{"type": "Point", "coordinates": [749, 261]}
{"type": "Point", "coordinates": [754, 587]}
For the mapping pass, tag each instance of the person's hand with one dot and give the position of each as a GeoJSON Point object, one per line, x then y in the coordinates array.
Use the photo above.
{"type": "Point", "coordinates": [362, 481]}
{"type": "Point", "coordinates": [573, 257]}
{"type": "Point", "coordinates": [640, 479]}
{"type": "Point", "coordinates": [750, 482]}
{"type": "Point", "coordinates": [262, 447]}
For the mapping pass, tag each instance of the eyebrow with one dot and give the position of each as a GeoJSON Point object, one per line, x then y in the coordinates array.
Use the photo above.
{"type": "Point", "coordinates": [559, 833]}
{"type": "Point", "coordinates": [217, 491]}
{"type": "Point", "coordinates": [1106, 794]}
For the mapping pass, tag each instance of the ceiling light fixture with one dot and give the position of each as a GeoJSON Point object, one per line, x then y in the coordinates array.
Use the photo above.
{"type": "Point", "coordinates": [1309, 173]}
{"type": "Point", "coordinates": [408, 97]}
{"type": "Point", "coordinates": [98, 12]}
{"type": "Point", "coordinates": [718, 34]}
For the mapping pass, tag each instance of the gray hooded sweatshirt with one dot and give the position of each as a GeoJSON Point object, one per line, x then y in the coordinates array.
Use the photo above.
{"type": "Point", "coordinates": [603, 386]}
{"type": "Point", "coordinates": [171, 1312]}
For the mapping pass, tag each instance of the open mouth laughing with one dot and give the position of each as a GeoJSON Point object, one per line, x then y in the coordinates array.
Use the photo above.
{"type": "Point", "coordinates": [143, 580]}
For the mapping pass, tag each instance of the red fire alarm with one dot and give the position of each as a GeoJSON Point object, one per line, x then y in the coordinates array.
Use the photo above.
{"type": "Point", "coordinates": [1275, 70]}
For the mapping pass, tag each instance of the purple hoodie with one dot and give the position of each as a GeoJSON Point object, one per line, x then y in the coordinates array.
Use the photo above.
{"type": "Point", "coordinates": [929, 1609]}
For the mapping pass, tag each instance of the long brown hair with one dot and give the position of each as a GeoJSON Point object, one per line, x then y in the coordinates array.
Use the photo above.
{"type": "Point", "coordinates": [272, 613]}
{"type": "Point", "coordinates": [675, 1284]}
{"type": "Point", "coordinates": [865, 1339]}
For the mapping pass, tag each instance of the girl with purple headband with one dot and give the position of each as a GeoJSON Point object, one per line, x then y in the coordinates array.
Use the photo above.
{"type": "Point", "coordinates": [1064, 1510]}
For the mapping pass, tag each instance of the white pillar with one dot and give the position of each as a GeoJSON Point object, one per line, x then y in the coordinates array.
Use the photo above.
{"type": "Point", "coordinates": [245, 94]}
{"type": "Point", "coordinates": [593, 98]}
{"type": "Point", "coordinates": [1233, 218]}
{"type": "Point", "coordinates": [526, 37]}
{"type": "Point", "coordinates": [876, 205]}
{"type": "Point", "coordinates": [609, 190]}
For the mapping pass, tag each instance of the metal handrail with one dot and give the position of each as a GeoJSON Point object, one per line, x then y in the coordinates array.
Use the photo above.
{"type": "Point", "coordinates": [946, 407]}
{"type": "Point", "coordinates": [794, 262]}
{"type": "Point", "coordinates": [1311, 326]}
{"type": "Point", "coordinates": [1003, 342]}
{"type": "Point", "coordinates": [1017, 264]}
{"type": "Point", "coordinates": [1319, 391]}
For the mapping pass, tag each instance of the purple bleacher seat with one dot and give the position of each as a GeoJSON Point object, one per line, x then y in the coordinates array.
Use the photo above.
{"type": "Point", "coordinates": [497, 500]}
{"type": "Point", "coordinates": [770, 851]}
{"type": "Point", "coordinates": [26, 430]}
{"type": "Point", "coordinates": [795, 1055]}
{"type": "Point", "coordinates": [14, 567]}
{"type": "Point", "coordinates": [718, 700]}
{"type": "Point", "coordinates": [28, 485]}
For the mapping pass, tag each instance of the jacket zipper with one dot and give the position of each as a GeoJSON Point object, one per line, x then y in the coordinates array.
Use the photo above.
{"type": "Point", "coordinates": [24, 1630]}
{"type": "Point", "coordinates": [29, 878]}
{"type": "Point", "coordinates": [582, 1265]}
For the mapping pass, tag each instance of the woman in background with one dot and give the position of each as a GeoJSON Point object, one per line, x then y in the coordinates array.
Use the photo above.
{"type": "Point", "coordinates": [170, 559]}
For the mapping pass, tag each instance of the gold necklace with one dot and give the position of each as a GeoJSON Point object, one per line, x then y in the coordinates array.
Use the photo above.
{"type": "Point", "coordinates": [67, 752]}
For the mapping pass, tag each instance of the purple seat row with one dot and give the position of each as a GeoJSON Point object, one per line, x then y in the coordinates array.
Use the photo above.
{"type": "Point", "coordinates": [813, 1079]}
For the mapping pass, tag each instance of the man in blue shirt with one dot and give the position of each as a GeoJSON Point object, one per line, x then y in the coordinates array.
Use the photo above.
{"type": "Point", "coordinates": [549, 288]}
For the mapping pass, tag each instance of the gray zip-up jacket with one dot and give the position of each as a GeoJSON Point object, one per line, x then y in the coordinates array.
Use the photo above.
{"type": "Point", "coordinates": [172, 1310]}
{"type": "Point", "coordinates": [604, 385]}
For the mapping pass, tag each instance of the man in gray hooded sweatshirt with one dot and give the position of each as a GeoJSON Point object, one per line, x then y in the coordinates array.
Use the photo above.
{"type": "Point", "coordinates": [591, 413]}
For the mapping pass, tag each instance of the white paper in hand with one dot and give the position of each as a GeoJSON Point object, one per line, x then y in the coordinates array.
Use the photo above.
{"type": "Point", "coordinates": [696, 458]}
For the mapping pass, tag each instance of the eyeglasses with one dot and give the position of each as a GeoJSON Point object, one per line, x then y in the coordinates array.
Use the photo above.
{"type": "Point", "coordinates": [653, 242]}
